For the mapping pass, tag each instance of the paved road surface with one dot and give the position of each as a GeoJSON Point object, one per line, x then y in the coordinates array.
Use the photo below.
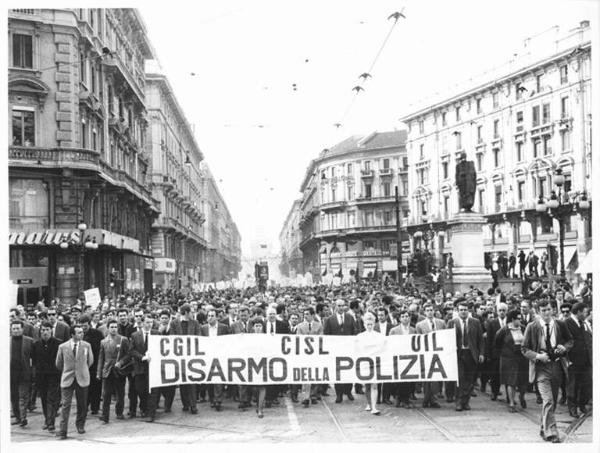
{"type": "Point", "coordinates": [323, 422]}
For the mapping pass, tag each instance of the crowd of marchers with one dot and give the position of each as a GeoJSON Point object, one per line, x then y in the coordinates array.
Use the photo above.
{"type": "Point", "coordinates": [532, 347]}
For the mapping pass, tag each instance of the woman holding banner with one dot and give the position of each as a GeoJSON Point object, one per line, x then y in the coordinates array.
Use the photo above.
{"type": "Point", "coordinates": [257, 325]}
{"type": "Point", "coordinates": [366, 337]}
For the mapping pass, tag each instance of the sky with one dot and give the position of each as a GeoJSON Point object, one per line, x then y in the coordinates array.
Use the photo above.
{"type": "Point", "coordinates": [233, 66]}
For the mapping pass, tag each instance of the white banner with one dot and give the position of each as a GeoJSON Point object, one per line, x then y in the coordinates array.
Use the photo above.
{"type": "Point", "coordinates": [295, 359]}
{"type": "Point", "coordinates": [92, 297]}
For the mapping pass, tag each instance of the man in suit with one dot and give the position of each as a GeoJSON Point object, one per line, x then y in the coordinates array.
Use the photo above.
{"type": "Point", "coordinates": [430, 324]}
{"type": "Point", "coordinates": [213, 328]}
{"type": "Point", "coordinates": [404, 389]}
{"type": "Point", "coordinates": [165, 327]}
{"type": "Point", "coordinates": [492, 353]}
{"type": "Point", "coordinates": [94, 337]}
{"type": "Point", "coordinates": [231, 315]}
{"type": "Point", "coordinates": [527, 315]}
{"type": "Point", "coordinates": [73, 360]}
{"type": "Point", "coordinates": [310, 326]}
{"type": "Point", "coordinates": [47, 376]}
{"type": "Point", "coordinates": [239, 327]}
{"type": "Point", "coordinates": [383, 325]}
{"type": "Point", "coordinates": [341, 323]}
{"type": "Point", "coordinates": [113, 354]}
{"type": "Point", "coordinates": [579, 386]}
{"type": "Point", "coordinates": [274, 326]}
{"type": "Point", "coordinates": [546, 344]}
{"type": "Point", "coordinates": [470, 350]}
{"type": "Point", "coordinates": [21, 348]}
{"type": "Point", "coordinates": [186, 325]}
{"type": "Point", "coordinates": [126, 329]}
{"type": "Point", "coordinates": [60, 330]}
{"type": "Point", "coordinates": [139, 352]}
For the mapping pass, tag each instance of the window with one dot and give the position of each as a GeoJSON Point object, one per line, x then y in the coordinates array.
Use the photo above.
{"type": "Point", "coordinates": [421, 127]}
{"type": "Point", "coordinates": [83, 133]}
{"type": "Point", "coordinates": [495, 102]}
{"type": "Point", "coordinates": [545, 113]}
{"type": "Point", "coordinates": [496, 128]}
{"type": "Point", "coordinates": [23, 127]}
{"type": "Point", "coordinates": [498, 198]}
{"type": "Point", "coordinates": [564, 74]}
{"type": "Point", "coordinates": [385, 243]}
{"type": "Point", "coordinates": [423, 207]}
{"type": "Point", "coordinates": [535, 116]}
{"type": "Point", "coordinates": [368, 244]}
{"type": "Point", "coordinates": [519, 121]}
{"type": "Point", "coordinates": [457, 114]}
{"type": "Point", "coordinates": [497, 157]}
{"type": "Point", "coordinates": [387, 191]}
{"type": "Point", "coordinates": [367, 190]}
{"type": "Point", "coordinates": [349, 169]}
{"type": "Point", "coordinates": [479, 134]}
{"type": "Point", "coordinates": [545, 224]}
{"type": "Point", "coordinates": [29, 204]}
{"type": "Point", "coordinates": [94, 139]}
{"type": "Point", "coordinates": [537, 147]}
{"type": "Point", "coordinates": [445, 170]}
{"type": "Point", "coordinates": [458, 136]}
{"type": "Point", "coordinates": [333, 194]}
{"type": "Point", "coordinates": [387, 217]}
{"type": "Point", "coordinates": [519, 147]}
{"type": "Point", "coordinates": [444, 121]}
{"type": "Point", "coordinates": [542, 187]}
{"type": "Point", "coordinates": [404, 162]}
{"type": "Point", "coordinates": [480, 199]}
{"type": "Point", "coordinates": [111, 101]}
{"type": "Point", "coordinates": [22, 51]}
{"type": "Point", "coordinates": [520, 190]}
{"type": "Point", "coordinates": [547, 145]}
{"type": "Point", "coordinates": [518, 92]}
{"type": "Point", "coordinates": [478, 104]}
{"type": "Point", "coordinates": [564, 107]}
{"type": "Point", "coordinates": [333, 172]}
{"type": "Point", "coordinates": [350, 192]}
{"type": "Point", "coordinates": [404, 188]}
{"type": "Point", "coordinates": [369, 218]}
{"type": "Point", "coordinates": [479, 158]}
{"type": "Point", "coordinates": [367, 165]}
{"type": "Point", "coordinates": [351, 219]}
{"type": "Point", "coordinates": [93, 74]}
{"type": "Point", "coordinates": [421, 152]}
{"type": "Point", "coordinates": [565, 140]}
{"type": "Point", "coordinates": [538, 83]}
{"type": "Point", "coordinates": [323, 174]}
{"type": "Point", "coordinates": [333, 221]}
{"type": "Point", "coordinates": [386, 163]}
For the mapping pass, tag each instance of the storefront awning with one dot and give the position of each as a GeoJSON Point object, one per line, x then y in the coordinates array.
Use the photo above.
{"type": "Point", "coordinates": [586, 264]}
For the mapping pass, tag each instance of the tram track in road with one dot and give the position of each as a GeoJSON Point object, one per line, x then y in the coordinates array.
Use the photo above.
{"type": "Point", "coordinates": [438, 426]}
{"type": "Point", "coordinates": [340, 429]}
{"type": "Point", "coordinates": [574, 426]}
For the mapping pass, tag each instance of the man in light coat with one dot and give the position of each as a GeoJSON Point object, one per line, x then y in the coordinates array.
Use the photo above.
{"type": "Point", "coordinates": [73, 360]}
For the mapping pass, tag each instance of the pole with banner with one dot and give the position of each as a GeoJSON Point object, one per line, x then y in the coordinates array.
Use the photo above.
{"type": "Point", "coordinates": [398, 243]}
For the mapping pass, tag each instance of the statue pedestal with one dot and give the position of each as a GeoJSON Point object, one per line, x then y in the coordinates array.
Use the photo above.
{"type": "Point", "coordinates": [466, 243]}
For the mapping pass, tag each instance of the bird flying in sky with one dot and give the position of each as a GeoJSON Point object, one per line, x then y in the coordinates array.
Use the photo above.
{"type": "Point", "coordinates": [358, 89]}
{"type": "Point", "coordinates": [337, 125]}
{"type": "Point", "coordinates": [397, 15]}
{"type": "Point", "coordinates": [364, 76]}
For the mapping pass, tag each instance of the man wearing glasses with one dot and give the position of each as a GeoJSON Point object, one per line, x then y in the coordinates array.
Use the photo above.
{"type": "Point", "coordinates": [546, 343]}
{"type": "Point", "coordinates": [492, 354]}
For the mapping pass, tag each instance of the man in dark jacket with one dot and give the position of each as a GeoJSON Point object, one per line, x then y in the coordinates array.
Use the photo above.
{"type": "Point", "coordinates": [21, 348]}
{"type": "Point", "coordinates": [579, 382]}
{"type": "Point", "coordinates": [94, 337]}
{"type": "Point", "coordinates": [47, 376]}
{"type": "Point", "coordinates": [214, 328]}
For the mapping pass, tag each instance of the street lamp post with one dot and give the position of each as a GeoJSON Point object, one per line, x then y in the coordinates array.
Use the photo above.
{"type": "Point", "coordinates": [84, 244]}
{"type": "Point", "coordinates": [560, 206]}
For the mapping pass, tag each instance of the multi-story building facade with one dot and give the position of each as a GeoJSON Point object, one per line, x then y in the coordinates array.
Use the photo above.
{"type": "Point", "coordinates": [95, 194]}
{"type": "Point", "coordinates": [224, 252]}
{"type": "Point", "coordinates": [80, 207]}
{"type": "Point", "coordinates": [347, 209]}
{"type": "Point", "coordinates": [518, 127]}
{"type": "Point", "coordinates": [178, 243]}
{"type": "Point", "coordinates": [291, 263]}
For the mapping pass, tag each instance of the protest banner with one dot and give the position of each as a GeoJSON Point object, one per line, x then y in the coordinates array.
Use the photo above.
{"type": "Point", "coordinates": [296, 359]}
{"type": "Point", "coordinates": [92, 297]}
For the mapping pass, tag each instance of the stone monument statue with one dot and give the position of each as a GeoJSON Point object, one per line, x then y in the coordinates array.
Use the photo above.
{"type": "Point", "coordinates": [466, 180]}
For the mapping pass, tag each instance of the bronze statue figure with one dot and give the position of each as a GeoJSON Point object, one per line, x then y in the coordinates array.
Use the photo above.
{"type": "Point", "coordinates": [466, 180]}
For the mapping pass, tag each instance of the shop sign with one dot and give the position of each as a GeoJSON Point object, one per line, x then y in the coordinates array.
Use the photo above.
{"type": "Point", "coordinates": [167, 265]}
{"type": "Point", "coordinates": [47, 237]}
{"type": "Point", "coordinates": [24, 281]}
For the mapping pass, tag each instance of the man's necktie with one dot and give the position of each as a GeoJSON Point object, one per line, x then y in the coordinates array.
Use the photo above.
{"type": "Point", "coordinates": [272, 327]}
{"type": "Point", "coordinates": [432, 325]}
{"type": "Point", "coordinates": [146, 341]}
{"type": "Point", "coordinates": [309, 327]}
{"type": "Point", "coordinates": [464, 334]}
{"type": "Point", "coordinates": [548, 343]}
{"type": "Point", "coordinates": [75, 350]}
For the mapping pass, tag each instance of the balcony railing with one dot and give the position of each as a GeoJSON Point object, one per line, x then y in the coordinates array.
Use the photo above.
{"type": "Point", "coordinates": [366, 173]}
{"type": "Point", "coordinates": [56, 157]}
{"type": "Point", "coordinates": [23, 11]}
{"type": "Point", "coordinates": [375, 200]}
{"type": "Point", "coordinates": [385, 172]}
{"type": "Point", "coordinates": [333, 205]}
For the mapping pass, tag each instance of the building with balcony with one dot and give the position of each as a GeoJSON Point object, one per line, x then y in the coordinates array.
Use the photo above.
{"type": "Point", "coordinates": [80, 204]}
{"type": "Point", "coordinates": [518, 125]}
{"type": "Point", "coordinates": [291, 263]}
{"type": "Point", "coordinates": [223, 259]}
{"type": "Point", "coordinates": [347, 214]}
{"type": "Point", "coordinates": [179, 246]}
